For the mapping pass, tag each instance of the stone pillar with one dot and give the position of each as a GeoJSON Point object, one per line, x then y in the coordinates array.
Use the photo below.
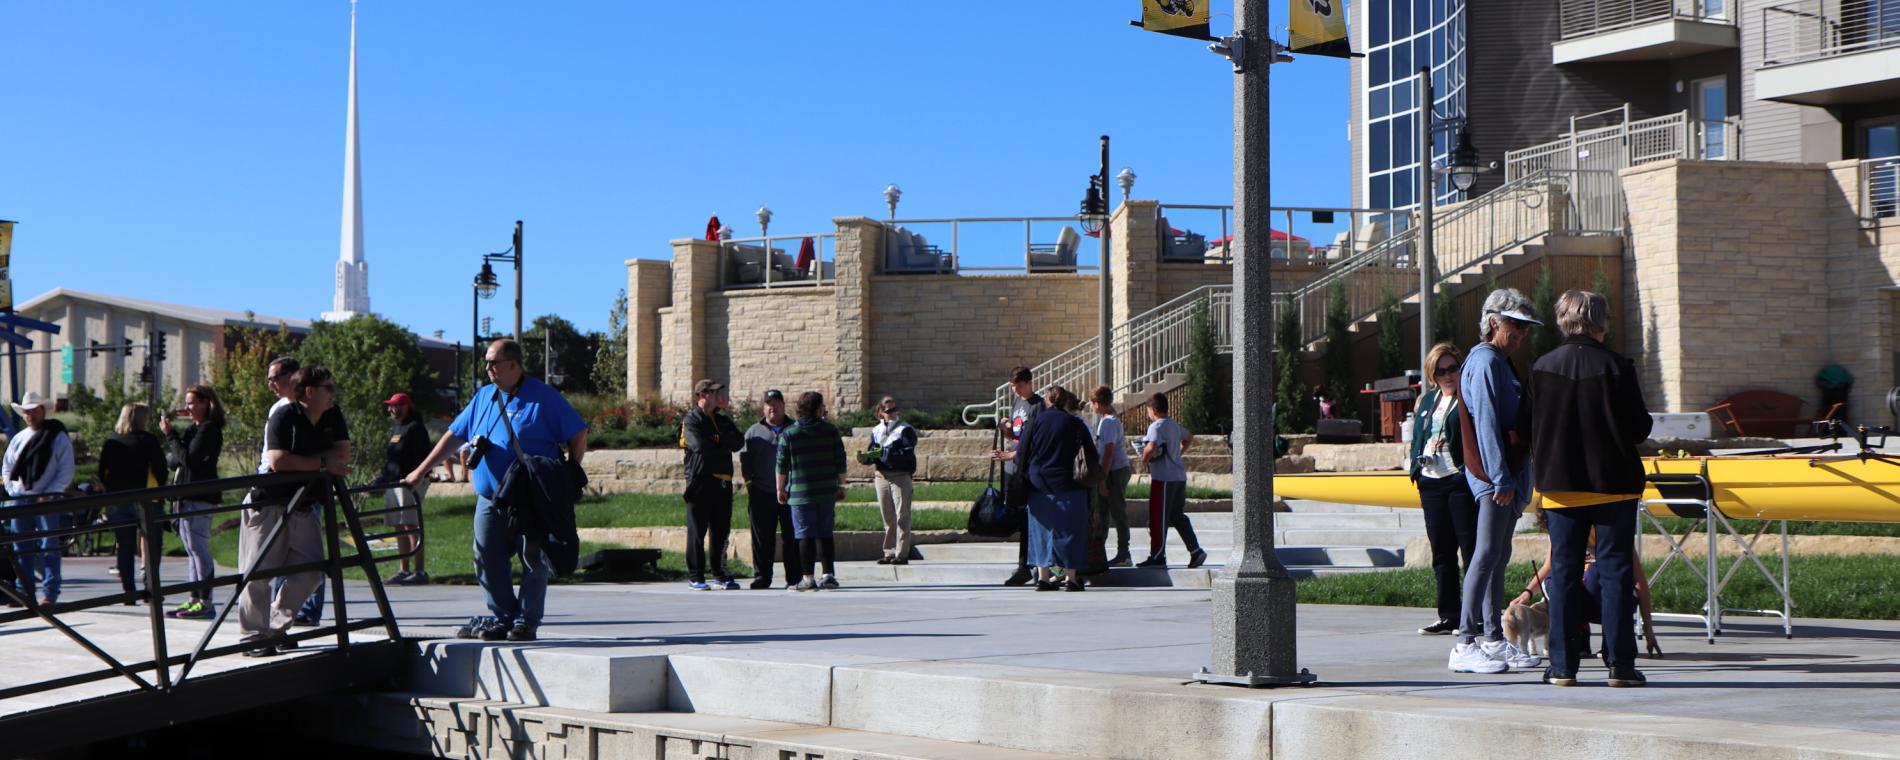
{"type": "Point", "coordinates": [683, 355]}
{"type": "Point", "coordinates": [859, 248]}
{"type": "Point", "coordinates": [1136, 247]}
{"type": "Point", "coordinates": [649, 288]}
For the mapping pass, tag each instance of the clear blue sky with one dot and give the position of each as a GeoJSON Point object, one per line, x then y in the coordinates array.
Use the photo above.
{"type": "Point", "coordinates": [192, 152]}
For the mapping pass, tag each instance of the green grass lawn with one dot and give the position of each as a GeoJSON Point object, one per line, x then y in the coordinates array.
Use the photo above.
{"type": "Point", "coordinates": [1858, 587]}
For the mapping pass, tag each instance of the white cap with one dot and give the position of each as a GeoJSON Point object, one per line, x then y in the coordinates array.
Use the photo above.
{"type": "Point", "coordinates": [1521, 314]}
{"type": "Point", "coordinates": [30, 402]}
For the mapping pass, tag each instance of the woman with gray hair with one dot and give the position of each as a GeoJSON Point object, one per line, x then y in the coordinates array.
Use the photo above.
{"type": "Point", "coordinates": [1496, 470]}
{"type": "Point", "coordinates": [1588, 418]}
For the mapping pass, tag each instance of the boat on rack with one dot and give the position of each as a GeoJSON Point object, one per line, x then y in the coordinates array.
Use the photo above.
{"type": "Point", "coordinates": [1837, 488]}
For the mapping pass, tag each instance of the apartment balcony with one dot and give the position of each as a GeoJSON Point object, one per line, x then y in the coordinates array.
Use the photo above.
{"type": "Point", "coordinates": [1595, 31]}
{"type": "Point", "coordinates": [1829, 52]}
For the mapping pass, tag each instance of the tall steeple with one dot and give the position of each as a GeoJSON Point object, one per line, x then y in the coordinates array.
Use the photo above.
{"type": "Point", "coordinates": [352, 270]}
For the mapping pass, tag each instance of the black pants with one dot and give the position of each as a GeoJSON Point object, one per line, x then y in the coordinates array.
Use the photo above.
{"type": "Point", "coordinates": [127, 539]}
{"type": "Point", "coordinates": [1451, 525]}
{"type": "Point", "coordinates": [1615, 524]}
{"type": "Point", "coordinates": [708, 516]}
{"type": "Point", "coordinates": [771, 528]}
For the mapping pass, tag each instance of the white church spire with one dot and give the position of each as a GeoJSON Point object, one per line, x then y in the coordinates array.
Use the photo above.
{"type": "Point", "coordinates": [352, 270]}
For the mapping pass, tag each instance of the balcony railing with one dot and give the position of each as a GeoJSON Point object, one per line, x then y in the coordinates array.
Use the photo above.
{"type": "Point", "coordinates": [778, 261]}
{"type": "Point", "coordinates": [1806, 30]}
{"type": "Point", "coordinates": [1045, 244]}
{"type": "Point", "coordinates": [1630, 143]}
{"type": "Point", "coordinates": [1880, 188]}
{"type": "Point", "coordinates": [1299, 235]}
{"type": "Point", "coordinates": [1582, 18]}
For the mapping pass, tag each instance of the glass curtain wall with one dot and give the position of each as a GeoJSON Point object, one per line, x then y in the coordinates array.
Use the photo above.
{"type": "Point", "coordinates": [1403, 35]}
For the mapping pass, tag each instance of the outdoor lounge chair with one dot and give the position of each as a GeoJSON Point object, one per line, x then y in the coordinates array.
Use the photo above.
{"type": "Point", "coordinates": [745, 265]}
{"type": "Point", "coordinates": [907, 252]}
{"type": "Point", "coordinates": [1056, 258]}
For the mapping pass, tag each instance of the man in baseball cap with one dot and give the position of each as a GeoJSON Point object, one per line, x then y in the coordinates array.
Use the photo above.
{"type": "Point", "coordinates": [408, 447]}
{"type": "Point", "coordinates": [771, 518]}
{"type": "Point", "coordinates": [710, 439]}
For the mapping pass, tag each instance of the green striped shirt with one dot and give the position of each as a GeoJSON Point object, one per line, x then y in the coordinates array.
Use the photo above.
{"type": "Point", "coordinates": [811, 454]}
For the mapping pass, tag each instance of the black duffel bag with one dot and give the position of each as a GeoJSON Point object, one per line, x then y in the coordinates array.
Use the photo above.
{"type": "Point", "coordinates": [992, 515]}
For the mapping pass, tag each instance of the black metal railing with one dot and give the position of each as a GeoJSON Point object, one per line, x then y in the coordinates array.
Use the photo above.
{"type": "Point", "coordinates": [334, 501]}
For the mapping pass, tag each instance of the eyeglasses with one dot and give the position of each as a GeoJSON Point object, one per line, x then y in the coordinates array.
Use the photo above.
{"type": "Point", "coordinates": [1441, 371]}
{"type": "Point", "coordinates": [494, 362]}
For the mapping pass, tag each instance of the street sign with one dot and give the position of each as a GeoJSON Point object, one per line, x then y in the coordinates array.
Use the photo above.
{"type": "Point", "coordinates": [66, 364]}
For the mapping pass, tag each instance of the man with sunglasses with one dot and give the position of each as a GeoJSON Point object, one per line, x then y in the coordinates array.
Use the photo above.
{"type": "Point", "coordinates": [280, 377]}
{"type": "Point", "coordinates": [308, 434]}
{"type": "Point", "coordinates": [543, 423]}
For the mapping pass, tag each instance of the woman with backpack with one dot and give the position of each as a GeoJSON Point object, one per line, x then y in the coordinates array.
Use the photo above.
{"type": "Point", "coordinates": [895, 442]}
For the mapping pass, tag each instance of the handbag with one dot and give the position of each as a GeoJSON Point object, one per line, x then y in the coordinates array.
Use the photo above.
{"type": "Point", "coordinates": [992, 515]}
{"type": "Point", "coordinates": [1087, 471]}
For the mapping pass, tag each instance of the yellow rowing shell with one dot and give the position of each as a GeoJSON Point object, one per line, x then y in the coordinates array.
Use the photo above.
{"type": "Point", "coordinates": [1762, 488]}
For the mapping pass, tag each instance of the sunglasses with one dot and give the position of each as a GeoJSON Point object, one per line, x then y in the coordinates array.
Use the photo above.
{"type": "Point", "coordinates": [1443, 371]}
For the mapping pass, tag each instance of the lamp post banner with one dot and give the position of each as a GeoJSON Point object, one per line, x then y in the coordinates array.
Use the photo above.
{"type": "Point", "coordinates": [6, 266]}
{"type": "Point", "coordinates": [1317, 27]}
{"type": "Point", "coordinates": [1182, 18]}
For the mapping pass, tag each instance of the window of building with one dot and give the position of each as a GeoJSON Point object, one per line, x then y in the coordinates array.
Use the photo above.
{"type": "Point", "coordinates": [1379, 149]}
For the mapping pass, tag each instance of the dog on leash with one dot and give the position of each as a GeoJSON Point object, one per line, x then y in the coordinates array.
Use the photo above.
{"type": "Point", "coordinates": [1527, 626]}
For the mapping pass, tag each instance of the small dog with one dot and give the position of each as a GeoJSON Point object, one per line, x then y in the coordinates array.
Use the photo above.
{"type": "Point", "coordinates": [1528, 626]}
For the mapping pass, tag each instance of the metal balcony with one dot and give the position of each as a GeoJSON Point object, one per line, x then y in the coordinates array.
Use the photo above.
{"type": "Point", "coordinates": [1641, 30]}
{"type": "Point", "coordinates": [1829, 52]}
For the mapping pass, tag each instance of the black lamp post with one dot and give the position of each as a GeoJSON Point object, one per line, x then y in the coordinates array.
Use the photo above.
{"type": "Point", "coordinates": [1094, 220]}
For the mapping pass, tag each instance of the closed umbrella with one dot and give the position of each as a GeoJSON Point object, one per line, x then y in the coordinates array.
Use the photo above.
{"type": "Point", "coordinates": [712, 228]}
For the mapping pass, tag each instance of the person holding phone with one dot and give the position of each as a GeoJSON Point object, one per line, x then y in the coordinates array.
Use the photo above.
{"type": "Point", "coordinates": [193, 454]}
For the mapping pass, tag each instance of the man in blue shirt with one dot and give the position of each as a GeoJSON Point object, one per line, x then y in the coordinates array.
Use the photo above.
{"type": "Point", "coordinates": [544, 423]}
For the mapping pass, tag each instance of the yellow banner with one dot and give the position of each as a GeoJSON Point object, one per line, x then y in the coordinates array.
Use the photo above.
{"type": "Point", "coordinates": [6, 266]}
{"type": "Point", "coordinates": [1185, 18]}
{"type": "Point", "coordinates": [1318, 27]}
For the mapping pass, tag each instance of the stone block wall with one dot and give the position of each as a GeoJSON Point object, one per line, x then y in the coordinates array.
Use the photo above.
{"type": "Point", "coordinates": [945, 339]}
{"type": "Point", "coordinates": [762, 339]}
{"type": "Point", "coordinates": [649, 289]}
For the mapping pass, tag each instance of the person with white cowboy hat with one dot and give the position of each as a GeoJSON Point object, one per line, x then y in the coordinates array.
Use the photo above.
{"type": "Point", "coordinates": [38, 466]}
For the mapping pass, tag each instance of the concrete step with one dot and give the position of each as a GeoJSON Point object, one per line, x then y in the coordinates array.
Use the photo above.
{"type": "Point", "coordinates": [1339, 556]}
{"type": "Point", "coordinates": [1389, 519]}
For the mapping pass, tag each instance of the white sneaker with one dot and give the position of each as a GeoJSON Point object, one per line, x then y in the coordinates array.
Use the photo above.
{"type": "Point", "coordinates": [1511, 655]}
{"type": "Point", "coordinates": [1471, 658]}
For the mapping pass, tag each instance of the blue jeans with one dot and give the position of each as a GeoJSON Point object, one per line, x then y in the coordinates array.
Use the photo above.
{"type": "Point", "coordinates": [40, 559]}
{"type": "Point", "coordinates": [1615, 524]}
{"type": "Point", "coordinates": [312, 609]}
{"type": "Point", "coordinates": [495, 550]}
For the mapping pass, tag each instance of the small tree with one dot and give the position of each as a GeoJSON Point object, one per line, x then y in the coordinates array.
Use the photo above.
{"type": "Point", "coordinates": [1289, 393]}
{"type": "Point", "coordinates": [238, 374]}
{"type": "Point", "coordinates": [1206, 404]}
{"type": "Point", "coordinates": [1391, 338]}
{"type": "Point", "coordinates": [573, 356]}
{"type": "Point", "coordinates": [372, 358]}
{"type": "Point", "coordinates": [1337, 356]}
{"type": "Point", "coordinates": [610, 362]}
{"type": "Point", "coordinates": [1600, 283]}
{"type": "Point", "coordinates": [1544, 337]}
{"type": "Point", "coordinates": [1445, 315]}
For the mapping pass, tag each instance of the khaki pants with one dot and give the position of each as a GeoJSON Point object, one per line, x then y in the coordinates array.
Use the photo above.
{"type": "Point", "coordinates": [893, 497]}
{"type": "Point", "coordinates": [261, 615]}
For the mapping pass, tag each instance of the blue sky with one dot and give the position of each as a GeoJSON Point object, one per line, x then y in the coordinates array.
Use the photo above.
{"type": "Point", "coordinates": [192, 152]}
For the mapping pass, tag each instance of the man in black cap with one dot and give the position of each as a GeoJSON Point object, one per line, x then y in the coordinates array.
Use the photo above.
{"type": "Point", "coordinates": [758, 463]}
{"type": "Point", "coordinates": [710, 439]}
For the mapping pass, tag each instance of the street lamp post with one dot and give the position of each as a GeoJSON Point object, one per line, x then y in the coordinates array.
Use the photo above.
{"type": "Point", "coordinates": [1094, 220]}
{"type": "Point", "coordinates": [891, 194]}
{"type": "Point", "coordinates": [1463, 168]}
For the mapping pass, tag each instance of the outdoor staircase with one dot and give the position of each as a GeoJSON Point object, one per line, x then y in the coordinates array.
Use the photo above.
{"type": "Point", "coordinates": [1312, 539]}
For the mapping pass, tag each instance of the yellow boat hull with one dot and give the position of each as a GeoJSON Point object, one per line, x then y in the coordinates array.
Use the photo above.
{"type": "Point", "coordinates": [1764, 488]}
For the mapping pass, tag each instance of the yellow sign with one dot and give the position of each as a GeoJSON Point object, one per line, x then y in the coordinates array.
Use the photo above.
{"type": "Point", "coordinates": [1185, 18]}
{"type": "Point", "coordinates": [6, 266]}
{"type": "Point", "coordinates": [1318, 27]}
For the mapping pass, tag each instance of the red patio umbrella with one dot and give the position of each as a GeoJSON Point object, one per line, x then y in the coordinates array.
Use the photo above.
{"type": "Point", "coordinates": [806, 252]}
{"type": "Point", "coordinates": [712, 228]}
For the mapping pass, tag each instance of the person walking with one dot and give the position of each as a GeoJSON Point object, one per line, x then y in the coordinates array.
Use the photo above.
{"type": "Point", "coordinates": [193, 454]}
{"type": "Point", "coordinates": [771, 518]}
{"type": "Point", "coordinates": [1166, 444]}
{"type": "Point", "coordinates": [710, 439]}
{"type": "Point", "coordinates": [896, 443]}
{"type": "Point", "coordinates": [1587, 417]}
{"type": "Point", "coordinates": [38, 467]}
{"type": "Point", "coordinates": [1023, 411]}
{"type": "Point", "coordinates": [1436, 467]}
{"type": "Point", "coordinates": [811, 479]}
{"type": "Point", "coordinates": [279, 376]}
{"type": "Point", "coordinates": [513, 410]}
{"type": "Point", "coordinates": [1058, 503]}
{"type": "Point", "coordinates": [130, 460]}
{"type": "Point", "coordinates": [306, 435]}
{"type": "Point", "coordinates": [408, 445]}
{"type": "Point", "coordinates": [1109, 504]}
{"type": "Point", "coordinates": [1496, 467]}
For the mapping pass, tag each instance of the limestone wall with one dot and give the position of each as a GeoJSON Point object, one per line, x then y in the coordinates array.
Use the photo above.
{"type": "Point", "coordinates": [649, 289]}
{"type": "Point", "coordinates": [945, 339]}
{"type": "Point", "coordinates": [781, 338]}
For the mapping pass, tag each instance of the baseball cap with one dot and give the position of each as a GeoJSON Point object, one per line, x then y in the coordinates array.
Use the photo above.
{"type": "Point", "coordinates": [774, 395]}
{"type": "Point", "coordinates": [708, 386]}
{"type": "Point", "coordinates": [400, 398]}
{"type": "Point", "coordinates": [1521, 314]}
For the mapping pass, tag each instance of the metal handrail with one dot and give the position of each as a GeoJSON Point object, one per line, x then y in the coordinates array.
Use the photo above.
{"type": "Point", "coordinates": [953, 260]}
{"type": "Point", "coordinates": [817, 276]}
{"type": "Point", "coordinates": [1582, 18]}
{"type": "Point", "coordinates": [1879, 180]}
{"type": "Point", "coordinates": [1630, 143]}
{"type": "Point", "coordinates": [1806, 30]}
{"type": "Point", "coordinates": [338, 511]}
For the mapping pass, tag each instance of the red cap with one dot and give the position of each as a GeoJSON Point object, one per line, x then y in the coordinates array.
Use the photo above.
{"type": "Point", "coordinates": [400, 398]}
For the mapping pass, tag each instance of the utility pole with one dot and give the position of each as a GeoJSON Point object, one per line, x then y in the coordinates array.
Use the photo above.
{"type": "Point", "coordinates": [1253, 642]}
{"type": "Point", "coordinates": [1427, 194]}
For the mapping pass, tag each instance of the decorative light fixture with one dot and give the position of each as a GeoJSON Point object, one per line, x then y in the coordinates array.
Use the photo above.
{"type": "Point", "coordinates": [486, 282]}
{"type": "Point", "coordinates": [891, 194]}
{"type": "Point", "coordinates": [1463, 165]}
{"type": "Point", "coordinates": [725, 232]}
{"type": "Point", "coordinates": [1094, 211]}
{"type": "Point", "coordinates": [765, 220]}
{"type": "Point", "coordinates": [1126, 178]}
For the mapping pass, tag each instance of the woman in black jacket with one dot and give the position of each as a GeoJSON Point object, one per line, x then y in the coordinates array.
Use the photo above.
{"type": "Point", "coordinates": [131, 460]}
{"type": "Point", "coordinates": [1058, 505]}
{"type": "Point", "coordinates": [193, 452]}
{"type": "Point", "coordinates": [1436, 466]}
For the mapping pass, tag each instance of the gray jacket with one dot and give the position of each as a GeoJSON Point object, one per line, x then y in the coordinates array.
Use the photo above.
{"type": "Point", "coordinates": [757, 461]}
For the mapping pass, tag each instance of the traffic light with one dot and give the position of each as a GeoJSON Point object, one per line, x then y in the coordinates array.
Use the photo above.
{"type": "Point", "coordinates": [145, 373]}
{"type": "Point", "coordinates": [158, 346]}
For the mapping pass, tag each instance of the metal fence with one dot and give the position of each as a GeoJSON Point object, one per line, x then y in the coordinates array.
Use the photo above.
{"type": "Point", "coordinates": [778, 261]}
{"type": "Point", "coordinates": [1880, 188]}
{"type": "Point", "coordinates": [1046, 244]}
{"type": "Point", "coordinates": [1582, 18]}
{"type": "Point", "coordinates": [1630, 143]}
{"type": "Point", "coordinates": [1805, 30]}
{"type": "Point", "coordinates": [1298, 235]}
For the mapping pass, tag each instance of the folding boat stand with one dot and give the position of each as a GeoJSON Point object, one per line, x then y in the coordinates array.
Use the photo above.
{"type": "Point", "coordinates": [1692, 497]}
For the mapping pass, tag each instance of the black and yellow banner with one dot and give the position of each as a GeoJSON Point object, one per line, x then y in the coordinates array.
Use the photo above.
{"type": "Point", "coordinates": [1184, 18]}
{"type": "Point", "coordinates": [1318, 27]}
{"type": "Point", "coordinates": [6, 265]}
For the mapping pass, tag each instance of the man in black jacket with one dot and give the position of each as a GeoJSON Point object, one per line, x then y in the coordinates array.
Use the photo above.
{"type": "Point", "coordinates": [408, 446]}
{"type": "Point", "coordinates": [1587, 417]}
{"type": "Point", "coordinates": [710, 439]}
